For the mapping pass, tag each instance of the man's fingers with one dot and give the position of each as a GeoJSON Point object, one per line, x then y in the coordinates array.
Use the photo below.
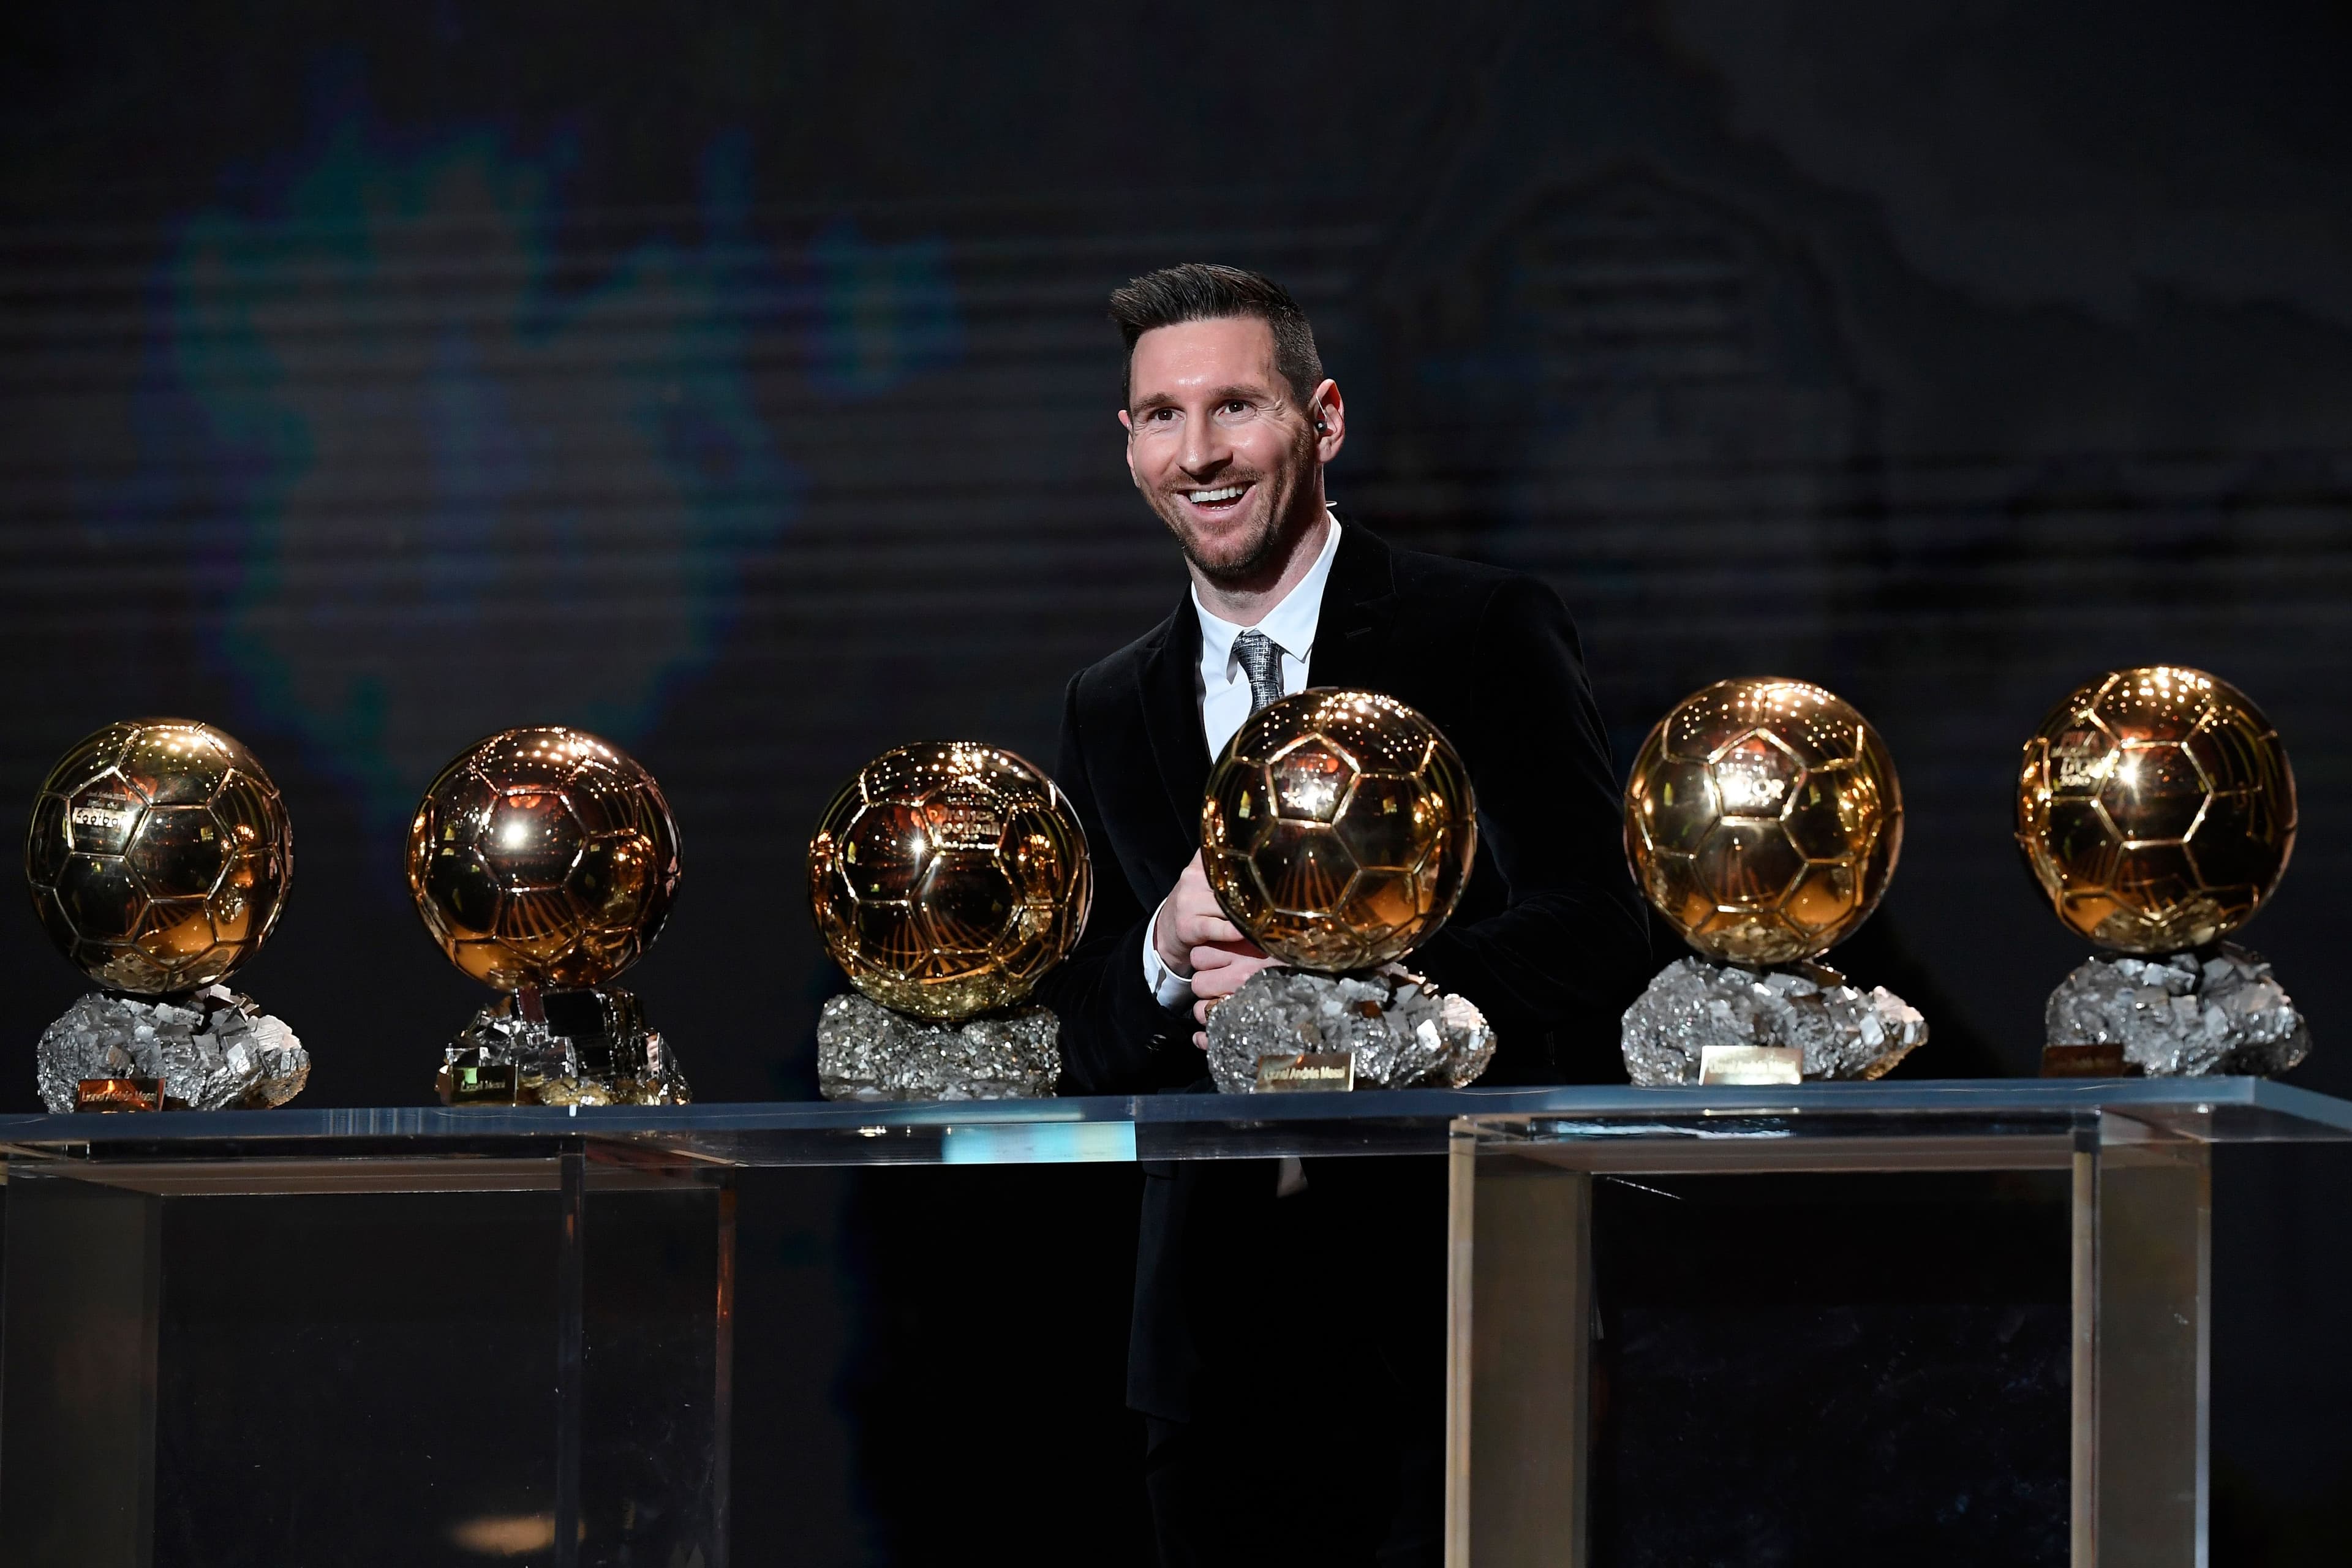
{"type": "Point", "coordinates": [1198, 931]}
{"type": "Point", "coordinates": [1237, 948]}
{"type": "Point", "coordinates": [1209, 955]}
{"type": "Point", "coordinates": [1213, 987]}
{"type": "Point", "coordinates": [1200, 1040]}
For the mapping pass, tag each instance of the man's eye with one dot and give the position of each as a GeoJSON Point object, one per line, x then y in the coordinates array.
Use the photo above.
{"type": "Point", "coordinates": [1236, 406]}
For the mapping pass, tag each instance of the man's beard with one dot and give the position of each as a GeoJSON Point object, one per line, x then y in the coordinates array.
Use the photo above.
{"type": "Point", "coordinates": [1238, 561]}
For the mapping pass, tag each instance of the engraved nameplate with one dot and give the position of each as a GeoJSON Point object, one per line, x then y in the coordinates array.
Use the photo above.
{"type": "Point", "coordinates": [1307, 1070]}
{"type": "Point", "coordinates": [1750, 1064]}
{"type": "Point", "coordinates": [2087, 1062]}
{"type": "Point", "coordinates": [482, 1086]}
{"type": "Point", "coordinates": [119, 1094]}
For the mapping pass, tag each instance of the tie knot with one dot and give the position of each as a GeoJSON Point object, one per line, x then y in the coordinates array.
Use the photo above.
{"type": "Point", "coordinates": [1260, 660]}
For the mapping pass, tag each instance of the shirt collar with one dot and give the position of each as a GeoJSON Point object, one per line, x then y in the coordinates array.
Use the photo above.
{"type": "Point", "coordinates": [1289, 626]}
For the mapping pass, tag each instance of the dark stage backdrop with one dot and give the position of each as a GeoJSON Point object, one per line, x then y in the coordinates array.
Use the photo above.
{"type": "Point", "coordinates": [734, 381]}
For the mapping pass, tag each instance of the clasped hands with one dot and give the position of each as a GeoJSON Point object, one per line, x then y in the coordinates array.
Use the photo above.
{"type": "Point", "coordinates": [1193, 937]}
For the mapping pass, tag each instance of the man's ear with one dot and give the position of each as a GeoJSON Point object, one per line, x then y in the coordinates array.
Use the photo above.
{"type": "Point", "coordinates": [1128, 426]}
{"type": "Point", "coordinates": [1328, 411]}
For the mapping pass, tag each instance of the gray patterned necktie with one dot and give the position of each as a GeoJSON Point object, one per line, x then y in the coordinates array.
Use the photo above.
{"type": "Point", "coordinates": [1260, 660]}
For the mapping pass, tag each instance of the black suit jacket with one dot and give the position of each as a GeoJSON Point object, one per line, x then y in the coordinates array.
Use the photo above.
{"type": "Point", "coordinates": [1548, 938]}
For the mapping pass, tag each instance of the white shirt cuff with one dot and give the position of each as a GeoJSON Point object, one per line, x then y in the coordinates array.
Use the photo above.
{"type": "Point", "coordinates": [1167, 987]}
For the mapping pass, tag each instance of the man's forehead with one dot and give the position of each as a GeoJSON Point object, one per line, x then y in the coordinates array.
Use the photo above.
{"type": "Point", "coordinates": [1202, 356]}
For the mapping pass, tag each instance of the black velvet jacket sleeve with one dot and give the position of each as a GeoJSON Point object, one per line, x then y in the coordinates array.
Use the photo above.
{"type": "Point", "coordinates": [1116, 1038]}
{"type": "Point", "coordinates": [1552, 946]}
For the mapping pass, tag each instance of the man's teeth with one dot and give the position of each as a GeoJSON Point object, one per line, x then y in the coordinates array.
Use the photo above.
{"type": "Point", "coordinates": [1201, 498]}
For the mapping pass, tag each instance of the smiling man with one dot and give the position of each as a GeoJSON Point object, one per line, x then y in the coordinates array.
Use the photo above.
{"type": "Point", "coordinates": [1289, 1343]}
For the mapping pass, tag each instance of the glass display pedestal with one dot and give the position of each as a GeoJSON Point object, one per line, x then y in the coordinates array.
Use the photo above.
{"type": "Point", "coordinates": [524, 1358]}
{"type": "Point", "coordinates": [2126, 1174]}
{"type": "Point", "coordinates": [467, 1334]}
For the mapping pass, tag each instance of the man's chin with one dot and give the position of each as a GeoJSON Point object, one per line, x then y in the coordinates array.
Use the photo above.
{"type": "Point", "coordinates": [1234, 564]}
{"type": "Point", "coordinates": [1233, 555]}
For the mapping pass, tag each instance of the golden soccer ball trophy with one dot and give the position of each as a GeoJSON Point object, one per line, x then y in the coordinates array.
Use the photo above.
{"type": "Point", "coordinates": [1338, 832]}
{"type": "Point", "coordinates": [160, 856]}
{"type": "Point", "coordinates": [1763, 820]}
{"type": "Point", "coordinates": [946, 878]}
{"type": "Point", "coordinates": [544, 862]}
{"type": "Point", "coordinates": [2156, 808]}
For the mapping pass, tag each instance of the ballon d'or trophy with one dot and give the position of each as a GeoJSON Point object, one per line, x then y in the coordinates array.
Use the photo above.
{"type": "Point", "coordinates": [160, 858]}
{"type": "Point", "coordinates": [1337, 833]}
{"type": "Point", "coordinates": [1763, 821]}
{"type": "Point", "coordinates": [544, 861]}
{"type": "Point", "coordinates": [2157, 810]}
{"type": "Point", "coordinates": [946, 878]}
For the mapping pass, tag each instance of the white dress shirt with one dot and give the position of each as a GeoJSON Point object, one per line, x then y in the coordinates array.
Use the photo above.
{"type": "Point", "coordinates": [1224, 691]}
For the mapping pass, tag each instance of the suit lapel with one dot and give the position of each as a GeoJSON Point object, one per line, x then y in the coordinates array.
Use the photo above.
{"type": "Point", "coordinates": [1351, 633]}
{"type": "Point", "coordinates": [1171, 719]}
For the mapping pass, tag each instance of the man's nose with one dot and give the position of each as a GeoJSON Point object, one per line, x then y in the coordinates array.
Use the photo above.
{"type": "Point", "coordinates": [1205, 449]}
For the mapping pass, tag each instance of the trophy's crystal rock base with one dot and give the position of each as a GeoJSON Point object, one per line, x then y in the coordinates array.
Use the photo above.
{"type": "Point", "coordinates": [213, 1049]}
{"type": "Point", "coordinates": [1402, 1031]}
{"type": "Point", "coordinates": [1843, 1032]}
{"type": "Point", "coordinates": [502, 1058]}
{"type": "Point", "coordinates": [866, 1051]}
{"type": "Point", "coordinates": [587, 1048]}
{"type": "Point", "coordinates": [2181, 1014]}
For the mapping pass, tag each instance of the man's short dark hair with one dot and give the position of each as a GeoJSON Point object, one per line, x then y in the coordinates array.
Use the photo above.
{"type": "Point", "coordinates": [1202, 291]}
